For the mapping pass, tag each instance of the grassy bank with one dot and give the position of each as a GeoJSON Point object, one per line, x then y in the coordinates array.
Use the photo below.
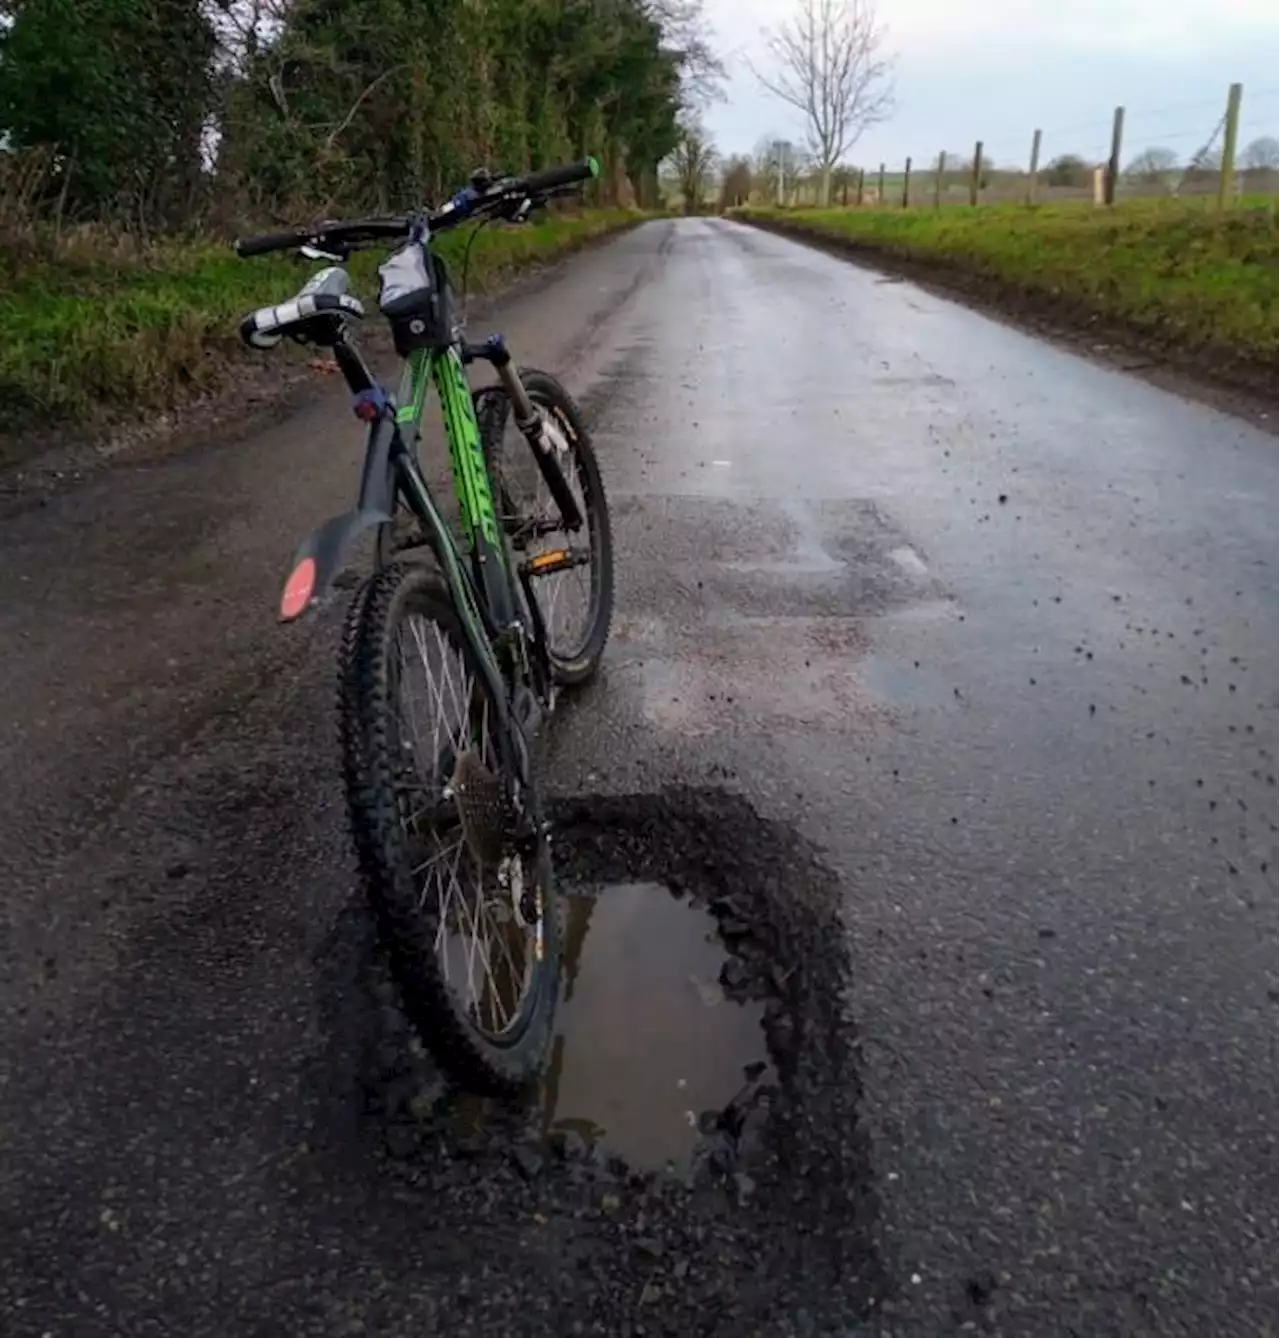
{"type": "Point", "coordinates": [1178, 274]}
{"type": "Point", "coordinates": [93, 326]}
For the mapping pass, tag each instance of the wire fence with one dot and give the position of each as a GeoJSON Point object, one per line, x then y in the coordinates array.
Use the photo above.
{"type": "Point", "coordinates": [1220, 149]}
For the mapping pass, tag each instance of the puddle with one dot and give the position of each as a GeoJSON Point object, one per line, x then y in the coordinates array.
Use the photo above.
{"type": "Point", "coordinates": [645, 1038]}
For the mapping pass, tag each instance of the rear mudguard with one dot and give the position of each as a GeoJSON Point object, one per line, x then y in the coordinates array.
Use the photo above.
{"type": "Point", "coordinates": [319, 559]}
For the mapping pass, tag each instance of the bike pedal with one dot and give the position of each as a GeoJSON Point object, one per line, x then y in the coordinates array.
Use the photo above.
{"type": "Point", "coordinates": [554, 560]}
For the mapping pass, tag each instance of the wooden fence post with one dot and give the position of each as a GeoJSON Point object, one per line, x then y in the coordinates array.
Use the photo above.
{"type": "Point", "coordinates": [976, 176]}
{"type": "Point", "coordinates": [937, 180]}
{"type": "Point", "coordinates": [1033, 174]}
{"type": "Point", "coordinates": [906, 185]}
{"type": "Point", "coordinates": [1230, 133]}
{"type": "Point", "coordinates": [880, 194]}
{"type": "Point", "coordinates": [862, 176]}
{"type": "Point", "coordinates": [1113, 163]}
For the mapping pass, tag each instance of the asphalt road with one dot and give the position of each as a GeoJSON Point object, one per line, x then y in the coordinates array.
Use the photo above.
{"type": "Point", "coordinates": [992, 627]}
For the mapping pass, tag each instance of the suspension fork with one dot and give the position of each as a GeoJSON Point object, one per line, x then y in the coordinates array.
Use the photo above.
{"type": "Point", "coordinates": [494, 351]}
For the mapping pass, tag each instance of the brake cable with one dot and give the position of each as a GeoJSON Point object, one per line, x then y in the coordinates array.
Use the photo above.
{"type": "Point", "coordinates": [466, 262]}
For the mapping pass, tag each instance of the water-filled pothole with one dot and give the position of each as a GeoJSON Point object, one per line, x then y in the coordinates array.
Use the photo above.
{"type": "Point", "coordinates": [777, 1217]}
{"type": "Point", "coordinates": [646, 1040]}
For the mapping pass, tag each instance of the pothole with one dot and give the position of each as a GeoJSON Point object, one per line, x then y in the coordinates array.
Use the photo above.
{"type": "Point", "coordinates": [650, 1047]}
{"type": "Point", "coordinates": [775, 1218]}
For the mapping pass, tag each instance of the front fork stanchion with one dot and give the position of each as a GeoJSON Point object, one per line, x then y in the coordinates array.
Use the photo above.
{"type": "Point", "coordinates": [531, 424]}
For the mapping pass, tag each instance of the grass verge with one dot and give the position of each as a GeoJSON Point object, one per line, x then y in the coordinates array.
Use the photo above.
{"type": "Point", "coordinates": [97, 328]}
{"type": "Point", "coordinates": [1173, 275]}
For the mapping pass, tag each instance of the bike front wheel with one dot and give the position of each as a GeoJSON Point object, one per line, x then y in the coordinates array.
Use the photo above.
{"type": "Point", "coordinates": [465, 906]}
{"type": "Point", "coordinates": [575, 601]}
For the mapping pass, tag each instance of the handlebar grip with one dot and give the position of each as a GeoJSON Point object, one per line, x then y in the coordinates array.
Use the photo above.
{"type": "Point", "coordinates": [271, 241]}
{"type": "Point", "coordinates": [551, 178]}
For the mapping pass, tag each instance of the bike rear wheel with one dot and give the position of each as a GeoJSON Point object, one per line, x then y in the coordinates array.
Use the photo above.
{"type": "Point", "coordinates": [466, 911]}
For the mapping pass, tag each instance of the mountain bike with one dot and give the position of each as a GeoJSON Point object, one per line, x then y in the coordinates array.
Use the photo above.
{"type": "Point", "coordinates": [448, 826]}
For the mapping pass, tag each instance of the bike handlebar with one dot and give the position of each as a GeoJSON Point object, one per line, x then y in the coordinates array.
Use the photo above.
{"type": "Point", "coordinates": [466, 204]}
{"type": "Point", "coordinates": [321, 235]}
{"type": "Point", "coordinates": [553, 178]}
{"type": "Point", "coordinates": [271, 241]}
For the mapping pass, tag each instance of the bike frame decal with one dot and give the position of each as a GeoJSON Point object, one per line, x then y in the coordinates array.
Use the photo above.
{"type": "Point", "coordinates": [471, 478]}
{"type": "Point", "coordinates": [470, 481]}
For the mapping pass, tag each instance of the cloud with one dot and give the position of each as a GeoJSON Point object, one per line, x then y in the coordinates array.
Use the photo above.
{"type": "Point", "coordinates": [1098, 25]}
{"type": "Point", "coordinates": [998, 70]}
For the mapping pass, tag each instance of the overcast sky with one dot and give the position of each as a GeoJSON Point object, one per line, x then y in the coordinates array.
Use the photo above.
{"type": "Point", "coordinates": [996, 70]}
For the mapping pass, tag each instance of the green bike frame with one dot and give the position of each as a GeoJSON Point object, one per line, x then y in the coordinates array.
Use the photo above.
{"type": "Point", "coordinates": [490, 569]}
{"type": "Point", "coordinates": [483, 588]}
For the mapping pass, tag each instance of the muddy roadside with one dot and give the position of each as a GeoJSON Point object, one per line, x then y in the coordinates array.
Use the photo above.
{"type": "Point", "coordinates": [258, 391]}
{"type": "Point", "coordinates": [1243, 388]}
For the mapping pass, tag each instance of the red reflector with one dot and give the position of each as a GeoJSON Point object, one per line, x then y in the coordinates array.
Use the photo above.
{"type": "Point", "coordinates": [298, 588]}
{"type": "Point", "coordinates": [367, 411]}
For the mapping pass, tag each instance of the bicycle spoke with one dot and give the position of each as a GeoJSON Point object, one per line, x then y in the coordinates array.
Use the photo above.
{"type": "Point", "coordinates": [471, 935]}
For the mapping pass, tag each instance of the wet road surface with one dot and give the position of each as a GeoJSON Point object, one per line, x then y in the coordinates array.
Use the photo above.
{"type": "Point", "coordinates": [991, 628]}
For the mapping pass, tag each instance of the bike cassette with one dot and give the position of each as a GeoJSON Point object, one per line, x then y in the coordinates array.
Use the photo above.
{"type": "Point", "coordinates": [489, 819]}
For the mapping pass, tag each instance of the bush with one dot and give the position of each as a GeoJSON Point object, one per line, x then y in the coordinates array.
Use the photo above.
{"type": "Point", "coordinates": [92, 322]}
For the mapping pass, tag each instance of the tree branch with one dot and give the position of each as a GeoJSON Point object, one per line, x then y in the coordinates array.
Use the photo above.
{"type": "Point", "coordinates": [355, 106]}
{"type": "Point", "coordinates": [827, 63]}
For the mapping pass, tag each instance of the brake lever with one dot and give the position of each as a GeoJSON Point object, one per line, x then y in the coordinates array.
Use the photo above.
{"type": "Point", "coordinates": [315, 253]}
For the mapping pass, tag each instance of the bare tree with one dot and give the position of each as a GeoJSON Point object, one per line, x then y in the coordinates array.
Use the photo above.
{"type": "Point", "coordinates": [736, 182]}
{"type": "Point", "coordinates": [1261, 154]}
{"type": "Point", "coordinates": [1067, 169]}
{"type": "Point", "coordinates": [962, 161]}
{"type": "Point", "coordinates": [686, 35]}
{"type": "Point", "coordinates": [694, 161]}
{"type": "Point", "coordinates": [828, 63]}
{"type": "Point", "coordinates": [1205, 165]}
{"type": "Point", "coordinates": [1153, 165]}
{"type": "Point", "coordinates": [843, 180]}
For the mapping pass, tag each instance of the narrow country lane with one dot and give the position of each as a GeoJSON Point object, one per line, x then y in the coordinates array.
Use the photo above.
{"type": "Point", "coordinates": [918, 614]}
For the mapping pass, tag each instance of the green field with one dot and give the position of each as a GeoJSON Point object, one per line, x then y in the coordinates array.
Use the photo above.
{"type": "Point", "coordinates": [1179, 272]}
{"type": "Point", "coordinates": [91, 325]}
